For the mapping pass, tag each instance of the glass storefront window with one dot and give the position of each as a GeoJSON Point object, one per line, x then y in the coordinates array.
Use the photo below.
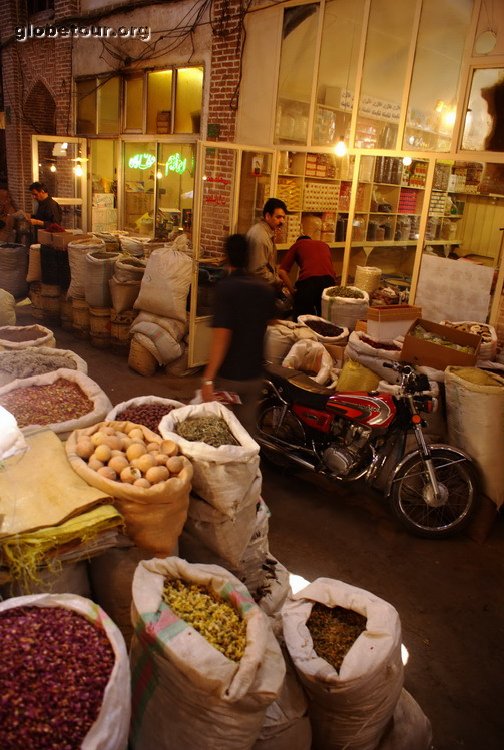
{"type": "Point", "coordinates": [108, 101]}
{"type": "Point", "coordinates": [484, 125]}
{"type": "Point", "coordinates": [188, 100]}
{"type": "Point", "coordinates": [440, 46]}
{"type": "Point", "coordinates": [133, 104]}
{"type": "Point", "coordinates": [159, 101]}
{"type": "Point", "coordinates": [337, 70]}
{"type": "Point", "coordinates": [255, 188]}
{"type": "Point", "coordinates": [385, 62]}
{"type": "Point", "coordinates": [175, 186]}
{"type": "Point", "coordinates": [103, 169]}
{"type": "Point", "coordinates": [297, 63]}
{"type": "Point", "coordinates": [140, 167]}
{"type": "Point", "coordinates": [86, 106]}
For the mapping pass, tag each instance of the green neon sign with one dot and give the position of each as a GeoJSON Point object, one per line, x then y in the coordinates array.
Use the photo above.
{"type": "Point", "coordinates": [141, 161]}
{"type": "Point", "coordinates": [175, 163]}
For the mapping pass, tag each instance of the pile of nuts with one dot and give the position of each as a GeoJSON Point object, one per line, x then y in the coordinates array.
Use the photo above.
{"type": "Point", "coordinates": [121, 453]}
{"type": "Point", "coordinates": [213, 618]}
{"type": "Point", "coordinates": [150, 415]}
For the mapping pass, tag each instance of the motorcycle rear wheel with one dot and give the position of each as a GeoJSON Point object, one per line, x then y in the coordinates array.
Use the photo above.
{"type": "Point", "coordinates": [411, 492]}
{"type": "Point", "coordinates": [289, 431]}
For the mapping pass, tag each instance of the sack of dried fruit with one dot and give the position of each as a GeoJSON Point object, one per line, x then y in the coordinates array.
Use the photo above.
{"type": "Point", "coordinates": [146, 410]}
{"type": "Point", "coordinates": [205, 663]}
{"type": "Point", "coordinates": [488, 346]}
{"type": "Point", "coordinates": [64, 669]}
{"type": "Point", "coordinates": [346, 647]}
{"type": "Point", "coordinates": [62, 400]}
{"type": "Point", "coordinates": [144, 474]}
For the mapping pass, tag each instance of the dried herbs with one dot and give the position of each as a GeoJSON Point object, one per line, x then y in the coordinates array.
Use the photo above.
{"type": "Point", "coordinates": [25, 363]}
{"type": "Point", "coordinates": [334, 631]}
{"type": "Point", "coordinates": [214, 619]}
{"type": "Point", "coordinates": [344, 291]}
{"type": "Point", "coordinates": [211, 430]}
{"type": "Point", "coordinates": [419, 332]}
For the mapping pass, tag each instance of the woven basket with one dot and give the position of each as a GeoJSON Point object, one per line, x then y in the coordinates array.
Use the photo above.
{"type": "Point", "coordinates": [367, 278]}
{"type": "Point", "coordinates": [141, 360]}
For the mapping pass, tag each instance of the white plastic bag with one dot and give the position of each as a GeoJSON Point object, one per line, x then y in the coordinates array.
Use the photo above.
{"type": "Point", "coordinates": [312, 358]}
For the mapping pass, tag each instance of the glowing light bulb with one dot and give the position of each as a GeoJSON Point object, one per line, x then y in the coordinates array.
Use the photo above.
{"type": "Point", "coordinates": [340, 149]}
{"type": "Point", "coordinates": [52, 168]}
{"type": "Point", "coordinates": [159, 174]}
{"type": "Point", "coordinates": [64, 146]}
{"type": "Point", "coordinates": [78, 170]}
{"type": "Point", "coordinates": [407, 160]}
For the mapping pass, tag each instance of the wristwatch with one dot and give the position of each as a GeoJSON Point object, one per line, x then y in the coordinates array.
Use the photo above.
{"type": "Point", "coordinates": [207, 382]}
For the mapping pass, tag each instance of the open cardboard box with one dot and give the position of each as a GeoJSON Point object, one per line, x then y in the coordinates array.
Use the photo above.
{"type": "Point", "coordinates": [422, 352]}
{"type": "Point", "coordinates": [389, 321]}
{"type": "Point", "coordinates": [60, 240]}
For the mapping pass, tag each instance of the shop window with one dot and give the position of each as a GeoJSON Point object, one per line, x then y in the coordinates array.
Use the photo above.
{"type": "Point", "coordinates": [102, 165]}
{"type": "Point", "coordinates": [108, 104]}
{"type": "Point", "coordinates": [175, 185]}
{"type": "Point", "coordinates": [484, 121]}
{"type": "Point", "coordinates": [140, 167]}
{"type": "Point", "coordinates": [295, 82]}
{"type": "Point", "coordinates": [339, 54]}
{"type": "Point", "coordinates": [86, 106]}
{"type": "Point", "coordinates": [133, 104]}
{"type": "Point", "coordinates": [188, 98]}
{"type": "Point", "coordinates": [440, 47]}
{"type": "Point", "coordinates": [159, 101]}
{"type": "Point", "coordinates": [384, 71]}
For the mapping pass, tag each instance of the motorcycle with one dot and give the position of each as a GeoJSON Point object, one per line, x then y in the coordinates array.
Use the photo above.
{"type": "Point", "coordinates": [348, 436]}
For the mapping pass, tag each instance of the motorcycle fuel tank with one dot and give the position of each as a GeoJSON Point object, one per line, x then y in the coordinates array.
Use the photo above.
{"type": "Point", "coordinates": [372, 411]}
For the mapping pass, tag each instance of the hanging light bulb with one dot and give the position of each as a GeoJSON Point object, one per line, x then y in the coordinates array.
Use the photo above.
{"type": "Point", "coordinates": [78, 169]}
{"type": "Point", "coordinates": [52, 168]}
{"type": "Point", "coordinates": [407, 160]}
{"type": "Point", "coordinates": [159, 174]}
{"type": "Point", "coordinates": [340, 149]}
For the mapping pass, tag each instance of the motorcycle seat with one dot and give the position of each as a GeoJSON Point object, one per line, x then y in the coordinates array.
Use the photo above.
{"type": "Point", "coordinates": [299, 386]}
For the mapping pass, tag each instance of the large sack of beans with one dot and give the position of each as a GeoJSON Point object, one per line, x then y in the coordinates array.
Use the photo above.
{"type": "Point", "coordinates": [36, 360]}
{"type": "Point", "coordinates": [62, 401]}
{"type": "Point", "coordinates": [145, 410]}
{"type": "Point", "coordinates": [64, 675]}
{"type": "Point", "coordinates": [13, 269]}
{"type": "Point", "coordinates": [77, 251]}
{"type": "Point", "coordinates": [349, 706]}
{"type": "Point", "coordinates": [205, 663]}
{"type": "Point", "coordinates": [22, 337]}
{"type": "Point", "coordinates": [147, 478]}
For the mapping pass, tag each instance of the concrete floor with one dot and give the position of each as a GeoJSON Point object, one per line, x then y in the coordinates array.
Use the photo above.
{"type": "Point", "coordinates": [448, 593]}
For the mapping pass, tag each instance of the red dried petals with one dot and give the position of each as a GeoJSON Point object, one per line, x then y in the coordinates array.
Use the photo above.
{"type": "Point", "coordinates": [60, 401]}
{"type": "Point", "coordinates": [54, 667]}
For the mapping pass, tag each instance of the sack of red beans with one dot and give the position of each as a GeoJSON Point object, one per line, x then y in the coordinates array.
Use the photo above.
{"type": "Point", "coordinates": [64, 675]}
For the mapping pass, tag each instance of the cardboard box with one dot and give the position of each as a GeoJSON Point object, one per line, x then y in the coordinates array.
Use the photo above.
{"type": "Point", "coordinates": [421, 352]}
{"type": "Point", "coordinates": [361, 325]}
{"type": "Point", "coordinates": [44, 237]}
{"type": "Point", "coordinates": [389, 321]}
{"type": "Point", "coordinates": [60, 240]}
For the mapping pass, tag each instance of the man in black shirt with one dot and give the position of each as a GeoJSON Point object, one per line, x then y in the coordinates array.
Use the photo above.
{"type": "Point", "coordinates": [48, 211]}
{"type": "Point", "coordinates": [244, 306]}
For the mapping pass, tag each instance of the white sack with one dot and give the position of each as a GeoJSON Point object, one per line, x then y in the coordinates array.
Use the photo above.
{"type": "Point", "coordinates": [410, 728]}
{"type": "Point", "coordinates": [99, 270]}
{"type": "Point", "coordinates": [12, 440]}
{"type": "Point", "coordinates": [45, 337]}
{"type": "Point", "coordinates": [222, 476]}
{"type": "Point", "coordinates": [7, 309]}
{"type": "Point", "coordinates": [310, 357]}
{"type": "Point", "coordinates": [475, 418]}
{"type": "Point", "coordinates": [19, 372]}
{"type": "Point", "coordinates": [350, 708]}
{"type": "Point", "coordinates": [345, 311]}
{"type": "Point", "coordinates": [176, 328]}
{"type": "Point", "coordinates": [184, 689]}
{"type": "Point", "coordinates": [336, 340]}
{"type": "Point", "coordinates": [165, 284]}
{"type": "Point", "coordinates": [281, 336]}
{"type": "Point", "coordinates": [100, 401]}
{"type": "Point", "coordinates": [167, 348]}
{"type": "Point", "coordinates": [77, 251]}
{"type": "Point", "coordinates": [374, 357]}
{"type": "Point", "coordinates": [34, 272]}
{"type": "Point", "coordinates": [142, 401]}
{"type": "Point", "coordinates": [110, 730]}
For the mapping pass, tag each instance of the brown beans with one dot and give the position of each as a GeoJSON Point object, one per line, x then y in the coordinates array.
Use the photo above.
{"type": "Point", "coordinates": [47, 404]}
{"type": "Point", "coordinates": [54, 667]}
{"type": "Point", "coordinates": [148, 415]}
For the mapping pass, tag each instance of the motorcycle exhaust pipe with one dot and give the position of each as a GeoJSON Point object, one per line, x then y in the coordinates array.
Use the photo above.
{"type": "Point", "coordinates": [301, 461]}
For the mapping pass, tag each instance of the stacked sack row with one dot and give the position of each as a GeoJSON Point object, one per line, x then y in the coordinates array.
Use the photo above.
{"type": "Point", "coordinates": [220, 647]}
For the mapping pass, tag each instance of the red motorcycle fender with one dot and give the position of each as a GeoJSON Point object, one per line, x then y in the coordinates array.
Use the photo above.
{"type": "Point", "coordinates": [407, 456]}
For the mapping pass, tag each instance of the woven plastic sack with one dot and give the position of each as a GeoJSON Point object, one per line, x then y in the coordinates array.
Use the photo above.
{"type": "Point", "coordinates": [410, 728]}
{"type": "Point", "coordinates": [100, 401]}
{"type": "Point", "coordinates": [110, 729]}
{"type": "Point", "coordinates": [34, 272]}
{"type": "Point", "coordinates": [99, 271]}
{"type": "Point", "coordinates": [488, 346]}
{"type": "Point", "coordinates": [185, 692]}
{"type": "Point", "coordinates": [7, 309]}
{"type": "Point", "coordinates": [350, 707]}
{"type": "Point", "coordinates": [77, 251]}
{"type": "Point", "coordinates": [13, 269]}
{"type": "Point", "coordinates": [475, 418]}
{"type": "Point", "coordinates": [34, 335]}
{"type": "Point", "coordinates": [165, 284]}
{"type": "Point", "coordinates": [337, 340]}
{"type": "Point", "coordinates": [345, 311]}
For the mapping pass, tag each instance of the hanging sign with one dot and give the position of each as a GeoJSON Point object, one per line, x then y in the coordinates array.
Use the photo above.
{"type": "Point", "coordinates": [175, 163]}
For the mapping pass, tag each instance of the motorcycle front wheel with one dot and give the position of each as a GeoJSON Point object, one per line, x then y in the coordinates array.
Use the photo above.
{"type": "Point", "coordinates": [412, 497]}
